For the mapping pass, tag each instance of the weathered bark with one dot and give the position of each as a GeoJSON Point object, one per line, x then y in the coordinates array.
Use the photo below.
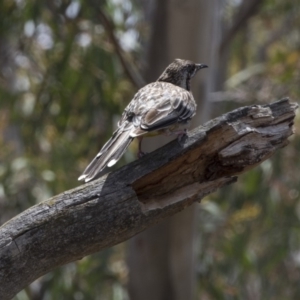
{"type": "Point", "coordinates": [117, 206]}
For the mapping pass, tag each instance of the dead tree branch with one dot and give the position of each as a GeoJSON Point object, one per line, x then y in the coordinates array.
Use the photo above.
{"type": "Point", "coordinates": [121, 204]}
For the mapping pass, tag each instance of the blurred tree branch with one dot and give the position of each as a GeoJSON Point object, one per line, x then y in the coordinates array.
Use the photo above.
{"type": "Point", "coordinates": [283, 29]}
{"type": "Point", "coordinates": [123, 203]}
{"type": "Point", "coordinates": [133, 75]}
{"type": "Point", "coordinates": [247, 9]}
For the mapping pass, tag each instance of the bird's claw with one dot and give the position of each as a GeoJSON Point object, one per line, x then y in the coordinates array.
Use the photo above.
{"type": "Point", "coordinates": [141, 154]}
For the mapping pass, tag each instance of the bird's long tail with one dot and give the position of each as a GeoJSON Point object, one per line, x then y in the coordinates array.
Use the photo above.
{"type": "Point", "coordinates": [110, 153]}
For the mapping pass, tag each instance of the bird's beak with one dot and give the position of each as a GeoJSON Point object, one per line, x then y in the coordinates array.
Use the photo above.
{"type": "Point", "coordinates": [201, 66]}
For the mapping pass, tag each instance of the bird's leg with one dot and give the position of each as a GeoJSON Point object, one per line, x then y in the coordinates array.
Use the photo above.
{"type": "Point", "coordinates": [180, 133]}
{"type": "Point", "coordinates": [140, 152]}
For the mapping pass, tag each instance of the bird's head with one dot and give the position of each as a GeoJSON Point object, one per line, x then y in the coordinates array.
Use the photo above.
{"type": "Point", "coordinates": [180, 72]}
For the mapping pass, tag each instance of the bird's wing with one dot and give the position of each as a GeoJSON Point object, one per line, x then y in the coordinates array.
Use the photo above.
{"type": "Point", "coordinates": [160, 105]}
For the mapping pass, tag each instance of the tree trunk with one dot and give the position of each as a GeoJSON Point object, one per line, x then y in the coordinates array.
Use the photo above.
{"type": "Point", "coordinates": [162, 259]}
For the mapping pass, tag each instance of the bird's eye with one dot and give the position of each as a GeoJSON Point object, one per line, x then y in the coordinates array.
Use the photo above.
{"type": "Point", "coordinates": [188, 68]}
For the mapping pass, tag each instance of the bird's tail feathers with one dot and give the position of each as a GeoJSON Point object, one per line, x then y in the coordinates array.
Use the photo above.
{"type": "Point", "coordinates": [110, 153]}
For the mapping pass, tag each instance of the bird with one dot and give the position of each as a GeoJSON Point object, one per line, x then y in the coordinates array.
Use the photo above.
{"type": "Point", "coordinates": [165, 106]}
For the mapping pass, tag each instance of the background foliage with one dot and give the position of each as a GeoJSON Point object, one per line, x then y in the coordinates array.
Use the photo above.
{"type": "Point", "coordinates": [64, 81]}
